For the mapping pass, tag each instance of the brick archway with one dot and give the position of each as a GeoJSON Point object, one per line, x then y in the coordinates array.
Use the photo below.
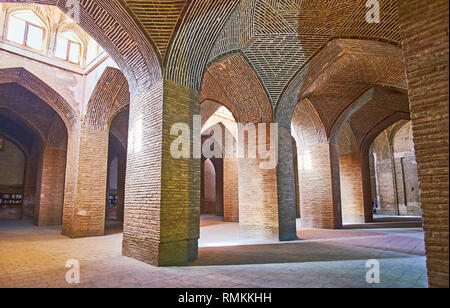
{"type": "Point", "coordinates": [110, 96]}
{"type": "Point", "coordinates": [340, 63]}
{"type": "Point", "coordinates": [39, 88]}
{"type": "Point", "coordinates": [231, 81]}
{"type": "Point", "coordinates": [365, 144]}
{"type": "Point", "coordinates": [43, 188]}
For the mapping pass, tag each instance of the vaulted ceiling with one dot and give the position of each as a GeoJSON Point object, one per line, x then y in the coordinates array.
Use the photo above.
{"type": "Point", "coordinates": [277, 36]}
{"type": "Point", "coordinates": [158, 17]}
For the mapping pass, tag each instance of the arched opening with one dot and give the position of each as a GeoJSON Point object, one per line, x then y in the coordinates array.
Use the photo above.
{"type": "Point", "coordinates": [314, 168]}
{"type": "Point", "coordinates": [30, 122]}
{"type": "Point", "coordinates": [69, 47]}
{"type": "Point", "coordinates": [219, 177]}
{"type": "Point", "coordinates": [393, 170]}
{"type": "Point", "coordinates": [116, 172]}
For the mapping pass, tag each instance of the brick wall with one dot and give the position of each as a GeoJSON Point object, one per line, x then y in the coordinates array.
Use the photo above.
{"type": "Point", "coordinates": [424, 32]}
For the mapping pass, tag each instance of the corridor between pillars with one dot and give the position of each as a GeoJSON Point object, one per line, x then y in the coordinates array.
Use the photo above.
{"type": "Point", "coordinates": [266, 210]}
{"type": "Point", "coordinates": [86, 174]}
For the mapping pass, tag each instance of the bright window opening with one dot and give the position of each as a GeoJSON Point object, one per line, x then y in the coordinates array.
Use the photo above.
{"type": "Point", "coordinates": [68, 48]}
{"type": "Point", "coordinates": [26, 29]}
{"type": "Point", "coordinates": [305, 161]}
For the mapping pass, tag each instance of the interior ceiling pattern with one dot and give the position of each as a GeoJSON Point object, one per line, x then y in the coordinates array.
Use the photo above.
{"type": "Point", "coordinates": [159, 18]}
{"type": "Point", "coordinates": [339, 74]}
{"type": "Point", "coordinates": [382, 105]}
{"type": "Point", "coordinates": [242, 92]}
{"type": "Point", "coordinates": [279, 36]}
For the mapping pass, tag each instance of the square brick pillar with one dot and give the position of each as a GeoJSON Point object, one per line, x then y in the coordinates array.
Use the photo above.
{"type": "Point", "coordinates": [320, 192]}
{"type": "Point", "coordinates": [218, 164]}
{"type": "Point", "coordinates": [424, 32]}
{"type": "Point", "coordinates": [85, 190]}
{"type": "Point", "coordinates": [30, 198]}
{"type": "Point", "coordinates": [162, 203]}
{"type": "Point", "coordinates": [366, 186]}
{"type": "Point", "coordinates": [50, 192]}
{"type": "Point", "coordinates": [287, 207]}
{"type": "Point", "coordinates": [352, 199]}
{"type": "Point", "coordinates": [121, 175]}
{"type": "Point", "coordinates": [231, 189]}
{"type": "Point", "coordinates": [266, 196]}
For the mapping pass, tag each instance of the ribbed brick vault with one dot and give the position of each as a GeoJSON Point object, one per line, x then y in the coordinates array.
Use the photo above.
{"type": "Point", "coordinates": [232, 82]}
{"type": "Point", "coordinates": [338, 75]}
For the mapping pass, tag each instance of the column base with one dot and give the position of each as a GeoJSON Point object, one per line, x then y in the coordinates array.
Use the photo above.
{"type": "Point", "coordinates": [161, 254]}
{"type": "Point", "coordinates": [264, 233]}
{"type": "Point", "coordinates": [83, 233]}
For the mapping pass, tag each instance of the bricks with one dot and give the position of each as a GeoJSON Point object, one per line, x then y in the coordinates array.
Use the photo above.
{"type": "Point", "coordinates": [352, 200]}
{"type": "Point", "coordinates": [424, 32]}
{"type": "Point", "coordinates": [51, 188]}
{"type": "Point", "coordinates": [316, 65]}
{"type": "Point", "coordinates": [85, 188]}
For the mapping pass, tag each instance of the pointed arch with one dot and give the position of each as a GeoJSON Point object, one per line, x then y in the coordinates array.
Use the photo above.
{"type": "Point", "coordinates": [39, 88]}
{"type": "Point", "coordinates": [359, 63]}
{"type": "Point", "coordinates": [233, 82]}
{"type": "Point", "coordinates": [307, 126]}
{"type": "Point", "coordinates": [191, 43]}
{"type": "Point", "coordinates": [110, 95]}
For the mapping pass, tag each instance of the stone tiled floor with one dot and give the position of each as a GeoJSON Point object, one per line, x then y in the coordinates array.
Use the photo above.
{"type": "Point", "coordinates": [36, 257]}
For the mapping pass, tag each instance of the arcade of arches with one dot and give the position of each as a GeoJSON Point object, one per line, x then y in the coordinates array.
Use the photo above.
{"type": "Point", "coordinates": [88, 103]}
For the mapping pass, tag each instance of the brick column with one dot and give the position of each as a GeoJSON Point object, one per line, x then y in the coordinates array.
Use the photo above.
{"type": "Point", "coordinates": [30, 197]}
{"type": "Point", "coordinates": [121, 175]}
{"type": "Point", "coordinates": [162, 203]}
{"type": "Point", "coordinates": [231, 189]}
{"type": "Point", "coordinates": [366, 186]}
{"type": "Point", "coordinates": [49, 208]}
{"type": "Point", "coordinates": [85, 191]}
{"type": "Point", "coordinates": [424, 31]}
{"type": "Point", "coordinates": [320, 186]}
{"type": "Point", "coordinates": [218, 164]}
{"type": "Point", "coordinates": [266, 200]}
{"type": "Point", "coordinates": [352, 199]}
{"type": "Point", "coordinates": [285, 186]}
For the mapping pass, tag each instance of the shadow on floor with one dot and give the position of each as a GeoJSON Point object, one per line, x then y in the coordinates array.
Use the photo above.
{"type": "Point", "coordinates": [288, 253]}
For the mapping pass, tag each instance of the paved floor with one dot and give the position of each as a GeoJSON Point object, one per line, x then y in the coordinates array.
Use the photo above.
{"type": "Point", "coordinates": [36, 257]}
